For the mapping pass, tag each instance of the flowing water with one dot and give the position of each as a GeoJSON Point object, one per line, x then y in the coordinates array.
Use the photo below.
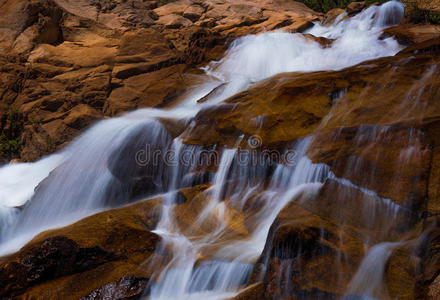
{"type": "Point", "coordinates": [97, 170]}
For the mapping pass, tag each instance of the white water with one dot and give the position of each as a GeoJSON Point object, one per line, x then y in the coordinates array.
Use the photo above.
{"type": "Point", "coordinates": [90, 175]}
{"type": "Point", "coordinates": [232, 262]}
{"type": "Point", "coordinates": [367, 283]}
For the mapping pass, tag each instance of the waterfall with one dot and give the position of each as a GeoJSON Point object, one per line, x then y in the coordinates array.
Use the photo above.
{"type": "Point", "coordinates": [367, 282]}
{"type": "Point", "coordinates": [103, 167]}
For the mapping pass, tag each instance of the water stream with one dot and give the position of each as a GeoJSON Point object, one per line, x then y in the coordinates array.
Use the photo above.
{"type": "Point", "coordinates": [92, 173]}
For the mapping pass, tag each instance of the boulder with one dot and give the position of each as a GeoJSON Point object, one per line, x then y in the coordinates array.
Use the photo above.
{"type": "Point", "coordinates": [318, 242]}
{"type": "Point", "coordinates": [409, 34]}
{"type": "Point", "coordinates": [116, 56]}
{"type": "Point", "coordinates": [95, 258]}
{"type": "Point", "coordinates": [174, 21]}
{"type": "Point", "coordinates": [301, 256]}
{"type": "Point", "coordinates": [193, 12]}
{"type": "Point", "coordinates": [355, 7]}
{"type": "Point", "coordinates": [332, 15]}
{"type": "Point", "coordinates": [126, 288]}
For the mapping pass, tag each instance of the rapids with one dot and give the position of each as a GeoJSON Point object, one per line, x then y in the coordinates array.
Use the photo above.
{"type": "Point", "coordinates": [91, 174]}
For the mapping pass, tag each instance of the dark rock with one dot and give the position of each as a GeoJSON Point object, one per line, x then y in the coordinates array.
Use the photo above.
{"type": "Point", "coordinates": [55, 257]}
{"type": "Point", "coordinates": [126, 288]}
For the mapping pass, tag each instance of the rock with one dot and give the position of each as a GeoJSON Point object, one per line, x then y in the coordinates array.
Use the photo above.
{"type": "Point", "coordinates": [408, 34]}
{"type": "Point", "coordinates": [355, 7]}
{"type": "Point", "coordinates": [81, 116]}
{"type": "Point", "coordinates": [54, 257]}
{"type": "Point", "coordinates": [174, 21]}
{"type": "Point", "coordinates": [205, 45]}
{"type": "Point", "coordinates": [96, 53]}
{"type": "Point", "coordinates": [327, 222]}
{"type": "Point", "coordinates": [193, 12]}
{"type": "Point", "coordinates": [289, 108]}
{"type": "Point", "coordinates": [434, 289]}
{"type": "Point", "coordinates": [126, 288]}
{"type": "Point", "coordinates": [70, 263]}
{"type": "Point", "coordinates": [252, 292]}
{"type": "Point", "coordinates": [429, 46]}
{"type": "Point", "coordinates": [301, 256]}
{"type": "Point", "coordinates": [134, 164]}
{"type": "Point", "coordinates": [277, 92]}
{"type": "Point", "coordinates": [162, 88]}
{"type": "Point", "coordinates": [324, 42]}
{"type": "Point", "coordinates": [36, 142]}
{"type": "Point", "coordinates": [332, 15]}
{"type": "Point", "coordinates": [403, 264]}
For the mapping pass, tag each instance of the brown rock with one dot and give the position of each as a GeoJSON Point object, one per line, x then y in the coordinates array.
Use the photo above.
{"type": "Point", "coordinates": [54, 257]}
{"type": "Point", "coordinates": [162, 88]}
{"type": "Point", "coordinates": [332, 15]}
{"type": "Point", "coordinates": [174, 21]}
{"type": "Point", "coordinates": [81, 116]}
{"type": "Point", "coordinates": [97, 53]}
{"type": "Point", "coordinates": [302, 253]}
{"type": "Point", "coordinates": [355, 7]}
{"type": "Point", "coordinates": [252, 292]}
{"type": "Point", "coordinates": [324, 42]}
{"type": "Point", "coordinates": [128, 287]}
{"type": "Point", "coordinates": [70, 262]}
{"type": "Point", "coordinates": [409, 34]}
{"type": "Point", "coordinates": [193, 12]}
{"type": "Point", "coordinates": [429, 46]}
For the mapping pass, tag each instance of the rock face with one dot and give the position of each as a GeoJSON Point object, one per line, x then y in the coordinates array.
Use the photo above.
{"type": "Point", "coordinates": [72, 262]}
{"type": "Point", "coordinates": [95, 258]}
{"type": "Point", "coordinates": [410, 34]}
{"type": "Point", "coordinates": [386, 146]}
{"type": "Point", "coordinates": [128, 287]}
{"type": "Point", "coordinates": [66, 63]}
{"type": "Point", "coordinates": [376, 126]}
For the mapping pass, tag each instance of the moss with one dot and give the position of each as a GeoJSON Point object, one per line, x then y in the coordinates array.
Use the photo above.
{"type": "Point", "coordinates": [434, 18]}
{"type": "Point", "coordinates": [11, 126]}
{"type": "Point", "coordinates": [9, 148]}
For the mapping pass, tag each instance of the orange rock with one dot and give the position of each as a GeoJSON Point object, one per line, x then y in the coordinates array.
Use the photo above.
{"type": "Point", "coordinates": [355, 7]}
{"type": "Point", "coordinates": [332, 15]}
{"type": "Point", "coordinates": [409, 34]}
{"type": "Point", "coordinates": [71, 263]}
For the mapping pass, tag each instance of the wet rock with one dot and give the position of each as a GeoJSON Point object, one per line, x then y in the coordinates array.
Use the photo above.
{"type": "Point", "coordinates": [70, 263]}
{"type": "Point", "coordinates": [429, 46]}
{"type": "Point", "coordinates": [54, 257]}
{"type": "Point", "coordinates": [332, 15]}
{"type": "Point", "coordinates": [300, 246]}
{"type": "Point", "coordinates": [138, 163]}
{"type": "Point", "coordinates": [355, 7]}
{"type": "Point", "coordinates": [126, 288]}
{"type": "Point", "coordinates": [252, 292]}
{"type": "Point", "coordinates": [407, 34]}
{"type": "Point", "coordinates": [317, 242]}
{"type": "Point", "coordinates": [224, 123]}
{"type": "Point", "coordinates": [324, 42]}
{"type": "Point", "coordinates": [116, 56]}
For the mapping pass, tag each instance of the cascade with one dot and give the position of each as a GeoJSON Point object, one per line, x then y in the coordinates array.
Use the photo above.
{"type": "Point", "coordinates": [106, 166]}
